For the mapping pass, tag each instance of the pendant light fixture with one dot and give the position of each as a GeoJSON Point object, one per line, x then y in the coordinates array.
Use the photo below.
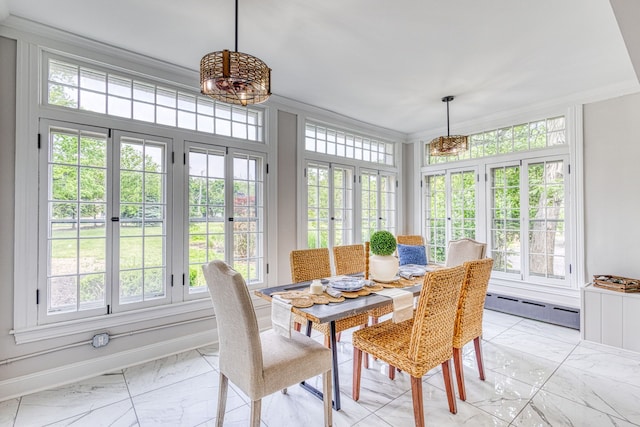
{"type": "Point", "coordinates": [451, 144]}
{"type": "Point", "coordinates": [235, 77]}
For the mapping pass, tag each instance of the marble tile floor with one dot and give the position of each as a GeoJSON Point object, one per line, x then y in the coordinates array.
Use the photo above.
{"type": "Point", "coordinates": [536, 375]}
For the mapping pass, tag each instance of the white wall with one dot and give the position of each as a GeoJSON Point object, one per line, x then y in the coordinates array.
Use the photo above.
{"type": "Point", "coordinates": [287, 189]}
{"type": "Point", "coordinates": [612, 187]}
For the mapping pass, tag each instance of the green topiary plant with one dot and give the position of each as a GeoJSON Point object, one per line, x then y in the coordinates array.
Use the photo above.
{"type": "Point", "coordinates": [383, 243]}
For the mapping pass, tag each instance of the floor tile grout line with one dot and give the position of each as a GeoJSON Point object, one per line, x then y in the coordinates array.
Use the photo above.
{"type": "Point", "coordinates": [578, 403]}
{"type": "Point", "coordinates": [133, 406]}
{"type": "Point", "coordinates": [544, 382]}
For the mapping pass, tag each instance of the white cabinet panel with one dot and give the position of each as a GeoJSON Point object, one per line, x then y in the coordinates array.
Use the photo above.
{"type": "Point", "coordinates": [631, 320]}
{"type": "Point", "coordinates": [610, 317]}
{"type": "Point", "coordinates": [611, 320]}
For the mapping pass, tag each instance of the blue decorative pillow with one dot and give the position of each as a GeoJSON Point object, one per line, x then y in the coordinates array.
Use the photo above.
{"type": "Point", "coordinates": [409, 254]}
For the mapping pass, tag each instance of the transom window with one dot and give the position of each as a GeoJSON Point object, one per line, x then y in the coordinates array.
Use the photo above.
{"type": "Point", "coordinates": [325, 140]}
{"type": "Point", "coordinates": [511, 139]}
{"type": "Point", "coordinates": [76, 86]}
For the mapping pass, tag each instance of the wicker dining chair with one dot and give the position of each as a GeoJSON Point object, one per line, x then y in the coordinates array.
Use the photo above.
{"type": "Point", "coordinates": [351, 259]}
{"type": "Point", "coordinates": [410, 239]}
{"type": "Point", "coordinates": [463, 250]}
{"type": "Point", "coordinates": [309, 264]}
{"type": "Point", "coordinates": [468, 325]}
{"type": "Point", "coordinates": [259, 363]}
{"type": "Point", "coordinates": [419, 344]}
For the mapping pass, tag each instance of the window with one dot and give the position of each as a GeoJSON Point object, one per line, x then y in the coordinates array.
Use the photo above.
{"type": "Point", "coordinates": [528, 220]}
{"type": "Point", "coordinates": [226, 212]}
{"type": "Point", "coordinates": [106, 216]}
{"type": "Point", "coordinates": [115, 230]}
{"type": "Point", "coordinates": [505, 231]}
{"type": "Point", "coordinates": [80, 87]}
{"type": "Point", "coordinates": [519, 207]}
{"type": "Point", "coordinates": [329, 205]}
{"type": "Point", "coordinates": [354, 196]}
{"type": "Point", "coordinates": [378, 202]}
{"type": "Point", "coordinates": [322, 139]}
{"type": "Point", "coordinates": [450, 209]}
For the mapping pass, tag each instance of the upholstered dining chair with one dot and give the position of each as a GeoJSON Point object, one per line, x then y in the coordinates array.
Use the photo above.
{"type": "Point", "coordinates": [419, 344]}
{"type": "Point", "coordinates": [463, 250]}
{"type": "Point", "coordinates": [259, 363]}
{"type": "Point", "coordinates": [410, 239]}
{"type": "Point", "coordinates": [309, 264]}
{"type": "Point", "coordinates": [468, 325]}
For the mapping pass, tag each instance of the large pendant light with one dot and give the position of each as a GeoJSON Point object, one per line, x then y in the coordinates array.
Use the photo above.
{"type": "Point", "coordinates": [235, 77]}
{"type": "Point", "coordinates": [451, 144]}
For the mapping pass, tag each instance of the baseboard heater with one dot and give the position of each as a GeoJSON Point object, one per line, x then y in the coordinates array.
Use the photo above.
{"type": "Point", "coordinates": [550, 313]}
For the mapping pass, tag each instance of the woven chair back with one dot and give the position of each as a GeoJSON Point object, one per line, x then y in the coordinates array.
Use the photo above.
{"type": "Point", "coordinates": [471, 305]}
{"type": "Point", "coordinates": [435, 316]}
{"type": "Point", "coordinates": [349, 259]}
{"type": "Point", "coordinates": [410, 239]}
{"type": "Point", "coordinates": [309, 264]}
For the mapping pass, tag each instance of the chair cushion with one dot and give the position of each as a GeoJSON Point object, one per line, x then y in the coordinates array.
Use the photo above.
{"type": "Point", "coordinates": [410, 254]}
{"type": "Point", "coordinates": [289, 361]}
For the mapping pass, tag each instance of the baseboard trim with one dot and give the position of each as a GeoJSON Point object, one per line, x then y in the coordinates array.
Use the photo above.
{"type": "Point", "coordinates": [71, 373]}
{"type": "Point", "coordinates": [537, 310]}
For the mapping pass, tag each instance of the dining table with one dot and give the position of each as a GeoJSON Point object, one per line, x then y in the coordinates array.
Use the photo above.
{"type": "Point", "coordinates": [331, 312]}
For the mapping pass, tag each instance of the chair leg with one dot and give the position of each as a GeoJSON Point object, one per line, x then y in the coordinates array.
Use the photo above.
{"type": "Point", "coordinates": [357, 370]}
{"type": "Point", "coordinates": [457, 363]}
{"type": "Point", "coordinates": [365, 360]}
{"type": "Point", "coordinates": [338, 336]}
{"type": "Point", "coordinates": [374, 321]}
{"type": "Point", "coordinates": [222, 399]}
{"type": "Point", "coordinates": [297, 326]}
{"type": "Point", "coordinates": [478, 347]}
{"type": "Point", "coordinates": [327, 341]}
{"type": "Point", "coordinates": [256, 406]}
{"type": "Point", "coordinates": [416, 394]}
{"type": "Point", "coordinates": [392, 372]}
{"type": "Point", "coordinates": [326, 398]}
{"type": "Point", "coordinates": [448, 385]}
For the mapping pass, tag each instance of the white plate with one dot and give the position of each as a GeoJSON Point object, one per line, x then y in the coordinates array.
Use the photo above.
{"type": "Point", "coordinates": [347, 284]}
{"type": "Point", "coordinates": [395, 279]}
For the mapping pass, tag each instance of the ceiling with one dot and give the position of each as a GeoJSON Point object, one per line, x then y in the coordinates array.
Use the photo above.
{"type": "Point", "coordinates": [382, 62]}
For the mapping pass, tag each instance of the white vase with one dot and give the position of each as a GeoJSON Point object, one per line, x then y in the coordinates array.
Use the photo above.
{"type": "Point", "coordinates": [383, 267]}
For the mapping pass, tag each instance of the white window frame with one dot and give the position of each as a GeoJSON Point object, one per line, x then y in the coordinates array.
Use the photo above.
{"type": "Point", "coordinates": [380, 214]}
{"type": "Point", "coordinates": [342, 124]}
{"type": "Point", "coordinates": [30, 109]}
{"type": "Point", "coordinates": [332, 207]}
{"type": "Point", "coordinates": [446, 174]}
{"type": "Point", "coordinates": [568, 293]}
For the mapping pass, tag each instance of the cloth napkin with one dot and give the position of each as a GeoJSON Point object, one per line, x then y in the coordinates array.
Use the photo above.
{"type": "Point", "coordinates": [402, 303]}
{"type": "Point", "coordinates": [412, 270]}
{"type": "Point", "coordinates": [281, 316]}
{"type": "Point", "coordinates": [333, 292]}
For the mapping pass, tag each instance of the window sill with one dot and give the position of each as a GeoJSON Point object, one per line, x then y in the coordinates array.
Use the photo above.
{"type": "Point", "coordinates": [98, 324]}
